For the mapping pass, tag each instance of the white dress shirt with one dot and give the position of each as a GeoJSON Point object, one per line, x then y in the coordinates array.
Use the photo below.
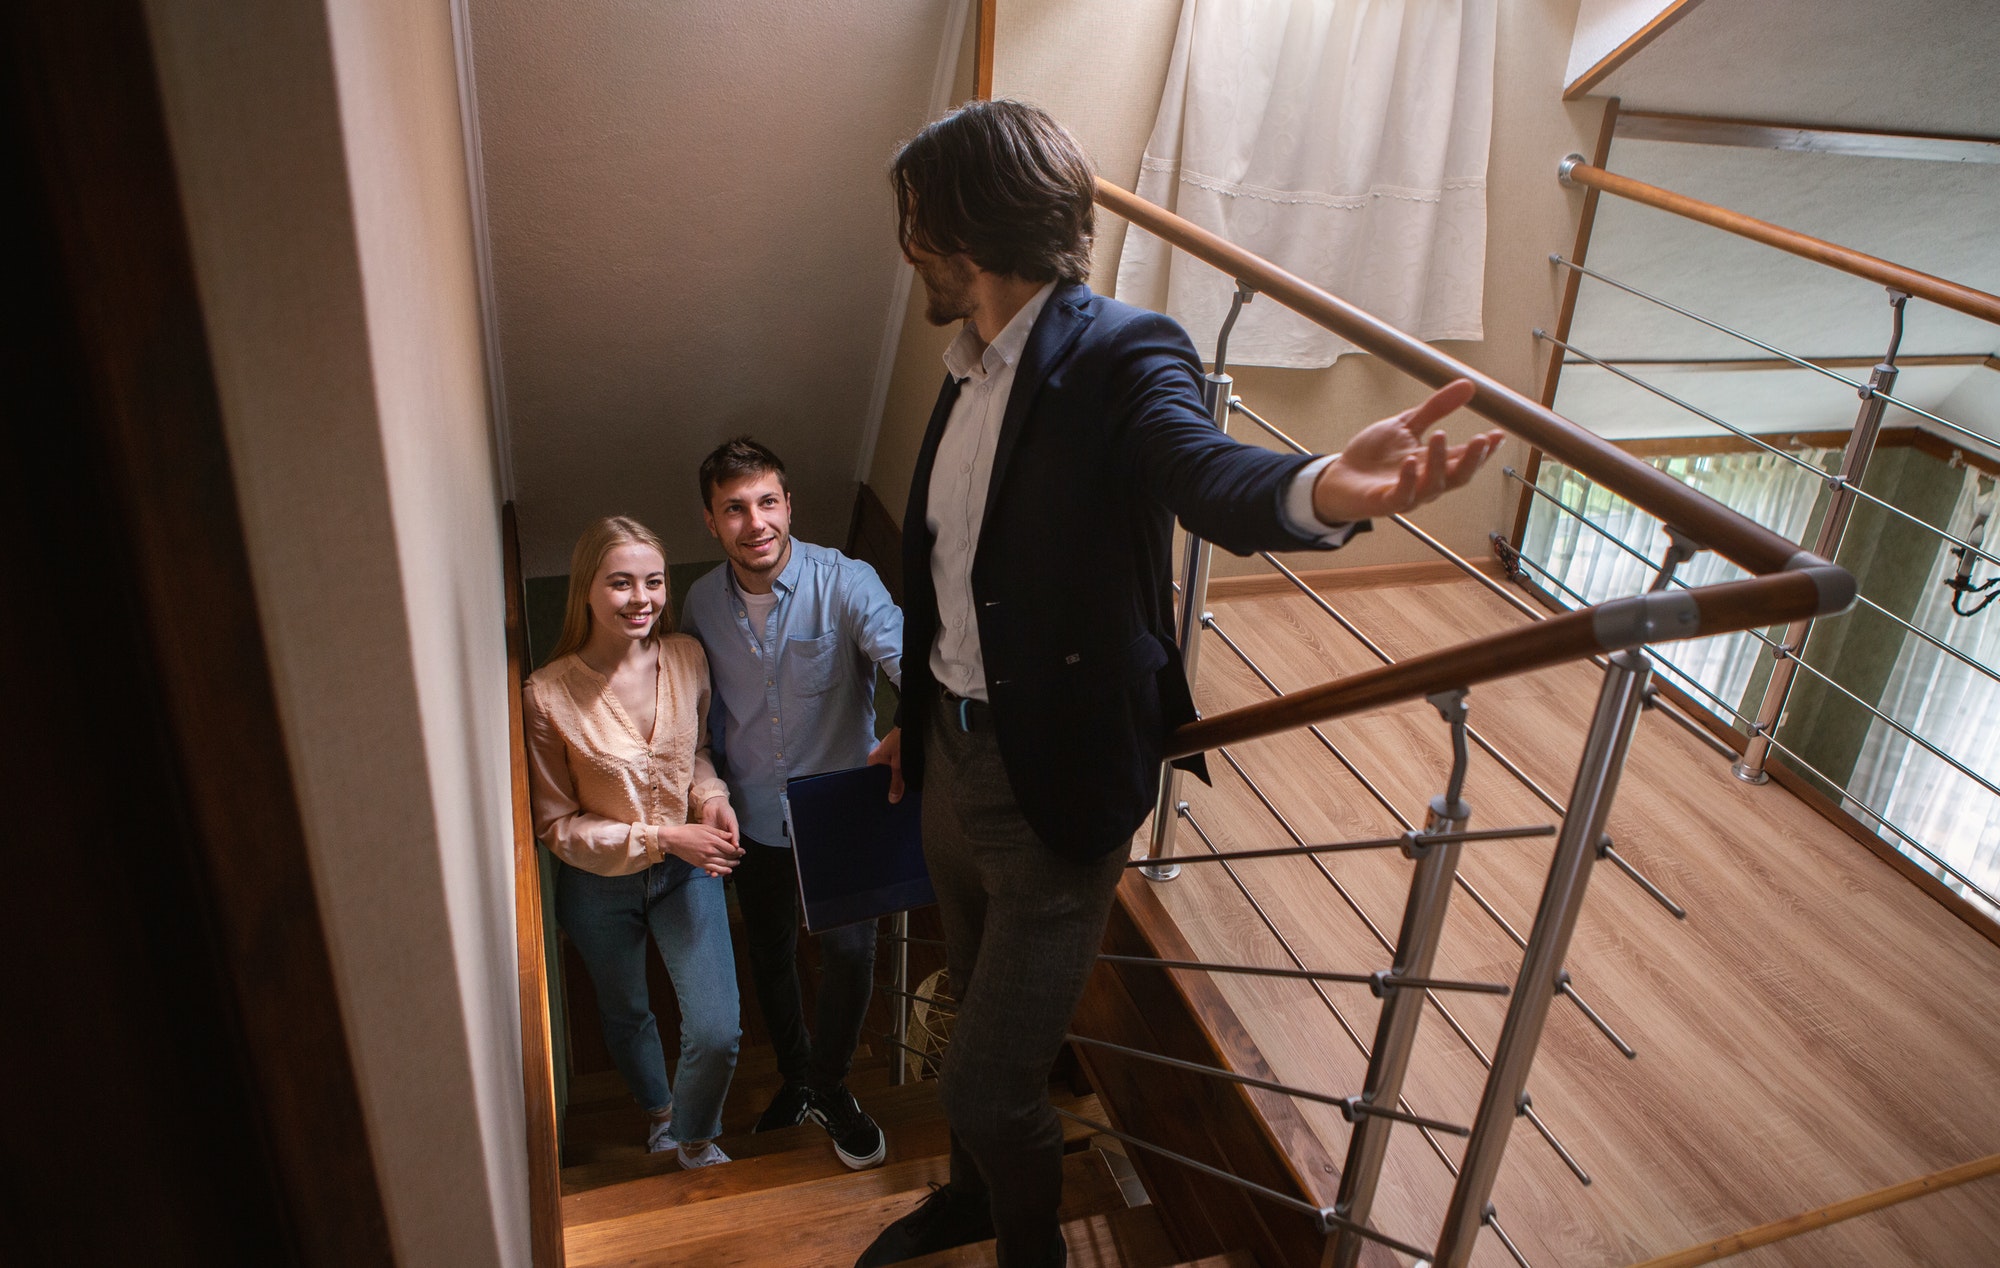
{"type": "Point", "coordinates": [963, 469]}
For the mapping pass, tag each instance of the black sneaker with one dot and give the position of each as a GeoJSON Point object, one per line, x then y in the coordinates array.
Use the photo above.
{"type": "Point", "coordinates": [787, 1109]}
{"type": "Point", "coordinates": [856, 1138]}
{"type": "Point", "coordinates": [945, 1219]}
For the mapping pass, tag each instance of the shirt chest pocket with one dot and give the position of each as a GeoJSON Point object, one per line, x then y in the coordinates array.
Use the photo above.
{"type": "Point", "coordinates": [811, 665]}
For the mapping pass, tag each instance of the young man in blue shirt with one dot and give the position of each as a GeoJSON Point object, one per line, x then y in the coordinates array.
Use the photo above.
{"type": "Point", "coordinates": [794, 633]}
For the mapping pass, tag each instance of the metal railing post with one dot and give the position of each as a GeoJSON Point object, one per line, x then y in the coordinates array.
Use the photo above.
{"type": "Point", "coordinates": [1403, 1007]}
{"type": "Point", "coordinates": [1198, 555]}
{"type": "Point", "coordinates": [1832, 527]}
{"type": "Point", "coordinates": [1505, 1097]}
{"type": "Point", "coordinates": [901, 1029]}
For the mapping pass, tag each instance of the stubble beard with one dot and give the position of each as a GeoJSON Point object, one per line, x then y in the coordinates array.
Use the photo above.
{"type": "Point", "coordinates": [947, 291]}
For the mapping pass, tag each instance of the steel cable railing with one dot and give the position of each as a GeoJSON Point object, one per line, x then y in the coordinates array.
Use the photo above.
{"type": "Point", "coordinates": [1831, 480]}
{"type": "Point", "coordinates": [1858, 385]}
{"type": "Point", "coordinates": [1787, 585]}
{"type": "Point", "coordinates": [1485, 582]}
{"type": "Point", "coordinates": [1450, 1019]}
{"type": "Point", "coordinates": [1780, 652]}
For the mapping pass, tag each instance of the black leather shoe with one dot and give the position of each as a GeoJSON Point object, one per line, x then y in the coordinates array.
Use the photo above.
{"type": "Point", "coordinates": [945, 1219]}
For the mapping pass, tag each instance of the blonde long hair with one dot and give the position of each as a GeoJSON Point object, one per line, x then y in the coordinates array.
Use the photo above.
{"type": "Point", "coordinates": [598, 541]}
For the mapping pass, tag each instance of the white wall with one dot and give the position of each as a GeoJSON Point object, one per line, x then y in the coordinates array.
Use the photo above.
{"type": "Point", "coordinates": [1099, 68]}
{"type": "Point", "coordinates": [323, 173]}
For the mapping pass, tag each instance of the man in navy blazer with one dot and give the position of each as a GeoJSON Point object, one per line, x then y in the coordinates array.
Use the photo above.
{"type": "Point", "coordinates": [1040, 673]}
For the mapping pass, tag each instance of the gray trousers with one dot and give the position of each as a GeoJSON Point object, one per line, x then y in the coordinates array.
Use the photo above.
{"type": "Point", "coordinates": [1022, 930]}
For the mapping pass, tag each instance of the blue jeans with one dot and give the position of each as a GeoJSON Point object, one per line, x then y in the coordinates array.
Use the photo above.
{"type": "Point", "coordinates": [608, 918]}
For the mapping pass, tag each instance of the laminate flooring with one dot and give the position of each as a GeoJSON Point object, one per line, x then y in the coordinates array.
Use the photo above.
{"type": "Point", "coordinates": [1815, 1028]}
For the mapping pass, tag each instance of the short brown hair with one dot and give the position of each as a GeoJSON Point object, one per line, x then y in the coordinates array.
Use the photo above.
{"type": "Point", "coordinates": [1002, 182]}
{"type": "Point", "coordinates": [733, 459]}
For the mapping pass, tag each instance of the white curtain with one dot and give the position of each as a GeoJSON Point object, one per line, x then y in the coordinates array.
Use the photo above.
{"type": "Point", "coordinates": [1777, 494]}
{"type": "Point", "coordinates": [1343, 140]}
{"type": "Point", "coordinates": [1954, 706]}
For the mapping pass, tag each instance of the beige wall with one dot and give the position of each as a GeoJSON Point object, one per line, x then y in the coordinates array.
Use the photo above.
{"type": "Point", "coordinates": [1100, 68]}
{"type": "Point", "coordinates": [323, 173]}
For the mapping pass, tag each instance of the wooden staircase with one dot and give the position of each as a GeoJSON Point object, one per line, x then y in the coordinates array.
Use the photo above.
{"type": "Point", "coordinates": [785, 1200]}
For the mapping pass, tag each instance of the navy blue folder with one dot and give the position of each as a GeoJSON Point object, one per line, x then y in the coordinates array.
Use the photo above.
{"type": "Point", "coordinates": [858, 856]}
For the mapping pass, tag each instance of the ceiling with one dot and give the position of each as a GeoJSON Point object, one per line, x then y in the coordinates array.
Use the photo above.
{"type": "Point", "coordinates": [692, 237]}
{"type": "Point", "coordinates": [1923, 66]}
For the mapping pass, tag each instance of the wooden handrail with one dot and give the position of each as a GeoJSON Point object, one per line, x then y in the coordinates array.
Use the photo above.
{"type": "Point", "coordinates": [1790, 584]}
{"type": "Point", "coordinates": [1612, 626]}
{"type": "Point", "coordinates": [1736, 537]}
{"type": "Point", "coordinates": [1820, 1217]}
{"type": "Point", "coordinates": [537, 1054]}
{"type": "Point", "coordinates": [1938, 290]}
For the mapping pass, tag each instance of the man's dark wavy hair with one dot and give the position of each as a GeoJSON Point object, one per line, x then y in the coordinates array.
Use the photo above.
{"type": "Point", "coordinates": [733, 459]}
{"type": "Point", "coordinates": [1002, 182]}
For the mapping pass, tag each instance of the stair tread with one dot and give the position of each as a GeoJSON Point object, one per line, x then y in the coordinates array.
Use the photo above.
{"type": "Point", "coordinates": [908, 1116]}
{"type": "Point", "coordinates": [826, 1221]}
{"type": "Point", "coordinates": [1131, 1237]}
{"type": "Point", "coordinates": [605, 1130]}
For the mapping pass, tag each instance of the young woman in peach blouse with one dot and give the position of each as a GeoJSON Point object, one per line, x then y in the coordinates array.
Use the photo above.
{"type": "Point", "coordinates": [627, 799]}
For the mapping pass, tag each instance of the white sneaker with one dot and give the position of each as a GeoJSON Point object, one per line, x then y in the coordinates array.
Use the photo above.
{"type": "Point", "coordinates": [706, 1154]}
{"type": "Point", "coordinates": [659, 1137]}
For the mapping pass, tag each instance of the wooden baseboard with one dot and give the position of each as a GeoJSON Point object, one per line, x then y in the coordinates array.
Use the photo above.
{"type": "Point", "coordinates": [1429, 572]}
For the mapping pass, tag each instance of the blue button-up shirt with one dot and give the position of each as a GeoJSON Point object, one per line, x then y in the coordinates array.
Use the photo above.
{"type": "Point", "coordinates": [797, 698]}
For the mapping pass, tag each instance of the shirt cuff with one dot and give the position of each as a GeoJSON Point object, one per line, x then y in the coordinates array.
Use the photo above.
{"type": "Point", "coordinates": [1298, 508]}
{"type": "Point", "coordinates": [639, 841]}
{"type": "Point", "coordinates": [706, 790]}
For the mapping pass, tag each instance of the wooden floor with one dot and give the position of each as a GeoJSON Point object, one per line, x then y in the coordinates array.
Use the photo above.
{"type": "Point", "coordinates": [1817, 1026]}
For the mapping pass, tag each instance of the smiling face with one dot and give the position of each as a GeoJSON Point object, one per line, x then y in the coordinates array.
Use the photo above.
{"type": "Point", "coordinates": [629, 593]}
{"type": "Point", "coordinates": [752, 517]}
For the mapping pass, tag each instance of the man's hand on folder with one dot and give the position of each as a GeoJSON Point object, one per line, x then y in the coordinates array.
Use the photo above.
{"type": "Point", "coordinates": [890, 753]}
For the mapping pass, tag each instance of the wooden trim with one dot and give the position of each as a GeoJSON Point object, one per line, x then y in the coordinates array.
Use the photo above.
{"type": "Point", "coordinates": [1572, 285]}
{"type": "Point", "coordinates": [1740, 539]}
{"type": "Point", "coordinates": [1625, 52]}
{"type": "Point", "coordinates": [1938, 290]}
{"type": "Point", "coordinates": [1429, 572]}
{"type": "Point", "coordinates": [1945, 449]}
{"type": "Point", "coordinates": [1806, 138]}
{"type": "Point", "coordinates": [982, 55]}
{"type": "Point", "coordinates": [1832, 1213]}
{"type": "Point", "coordinates": [1829, 809]}
{"type": "Point", "coordinates": [538, 1080]}
{"type": "Point", "coordinates": [86, 141]}
{"type": "Point", "coordinates": [1681, 446]}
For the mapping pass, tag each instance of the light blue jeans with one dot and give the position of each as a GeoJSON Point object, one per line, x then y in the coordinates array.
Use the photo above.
{"type": "Point", "coordinates": [609, 918]}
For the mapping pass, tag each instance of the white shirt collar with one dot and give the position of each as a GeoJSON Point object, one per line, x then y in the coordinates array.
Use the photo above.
{"type": "Point", "coordinates": [968, 358]}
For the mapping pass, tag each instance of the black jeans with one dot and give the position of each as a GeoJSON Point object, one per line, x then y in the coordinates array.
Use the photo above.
{"type": "Point", "coordinates": [767, 888]}
{"type": "Point", "coordinates": [1022, 928]}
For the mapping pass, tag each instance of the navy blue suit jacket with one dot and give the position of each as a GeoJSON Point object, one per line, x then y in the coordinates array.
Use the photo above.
{"type": "Point", "coordinates": [1104, 441]}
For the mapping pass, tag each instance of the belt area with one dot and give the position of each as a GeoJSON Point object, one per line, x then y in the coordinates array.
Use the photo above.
{"type": "Point", "coordinates": [967, 714]}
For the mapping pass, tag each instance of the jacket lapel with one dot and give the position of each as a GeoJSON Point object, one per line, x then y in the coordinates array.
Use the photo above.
{"type": "Point", "coordinates": [920, 479]}
{"type": "Point", "coordinates": [1056, 330]}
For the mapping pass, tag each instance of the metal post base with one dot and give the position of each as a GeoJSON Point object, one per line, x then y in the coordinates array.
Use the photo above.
{"type": "Point", "coordinates": [1749, 776]}
{"type": "Point", "coordinates": [1160, 871]}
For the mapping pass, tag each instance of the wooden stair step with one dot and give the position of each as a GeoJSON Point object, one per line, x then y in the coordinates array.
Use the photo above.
{"type": "Point", "coordinates": [909, 1117]}
{"type": "Point", "coordinates": [1231, 1259]}
{"type": "Point", "coordinates": [1132, 1237]}
{"type": "Point", "coordinates": [824, 1223]}
{"type": "Point", "coordinates": [616, 1128]}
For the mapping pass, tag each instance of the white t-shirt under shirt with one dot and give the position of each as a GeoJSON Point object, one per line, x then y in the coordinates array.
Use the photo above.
{"type": "Point", "coordinates": [757, 607]}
